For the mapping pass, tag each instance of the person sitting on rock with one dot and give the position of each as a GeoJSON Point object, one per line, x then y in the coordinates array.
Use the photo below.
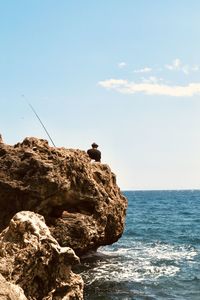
{"type": "Point", "coordinates": [94, 153]}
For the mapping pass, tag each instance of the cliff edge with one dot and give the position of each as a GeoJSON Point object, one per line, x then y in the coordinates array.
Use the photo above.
{"type": "Point", "coordinates": [79, 200]}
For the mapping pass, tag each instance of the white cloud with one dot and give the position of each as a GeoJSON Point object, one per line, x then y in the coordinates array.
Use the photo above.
{"type": "Point", "coordinates": [177, 65]}
{"type": "Point", "coordinates": [151, 79]}
{"type": "Point", "coordinates": [185, 69]}
{"type": "Point", "coordinates": [127, 87]}
{"type": "Point", "coordinates": [122, 65]}
{"type": "Point", "coordinates": [143, 70]}
{"type": "Point", "coordinates": [195, 68]}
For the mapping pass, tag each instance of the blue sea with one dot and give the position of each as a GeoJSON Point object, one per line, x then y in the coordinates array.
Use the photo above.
{"type": "Point", "coordinates": [158, 256]}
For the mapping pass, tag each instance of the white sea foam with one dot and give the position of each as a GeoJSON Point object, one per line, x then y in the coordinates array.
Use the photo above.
{"type": "Point", "coordinates": [158, 251]}
{"type": "Point", "coordinates": [140, 262]}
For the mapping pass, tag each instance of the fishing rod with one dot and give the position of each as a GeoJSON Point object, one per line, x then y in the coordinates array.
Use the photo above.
{"type": "Point", "coordinates": [34, 111]}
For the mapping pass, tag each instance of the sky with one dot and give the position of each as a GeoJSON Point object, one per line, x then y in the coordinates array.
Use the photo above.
{"type": "Point", "coordinates": [124, 74]}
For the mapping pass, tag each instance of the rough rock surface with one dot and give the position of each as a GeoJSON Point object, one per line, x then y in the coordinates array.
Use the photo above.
{"type": "Point", "coordinates": [9, 291]}
{"type": "Point", "coordinates": [80, 200]}
{"type": "Point", "coordinates": [32, 260]}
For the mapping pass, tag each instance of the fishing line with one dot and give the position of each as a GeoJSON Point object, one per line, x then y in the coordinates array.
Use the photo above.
{"type": "Point", "coordinates": [34, 111]}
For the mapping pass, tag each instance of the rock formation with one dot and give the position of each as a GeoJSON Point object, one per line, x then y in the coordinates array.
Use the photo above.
{"type": "Point", "coordinates": [31, 258]}
{"type": "Point", "coordinates": [79, 200]}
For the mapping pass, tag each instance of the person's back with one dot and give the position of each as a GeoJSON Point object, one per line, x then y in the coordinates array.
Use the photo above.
{"type": "Point", "coordinates": [94, 153]}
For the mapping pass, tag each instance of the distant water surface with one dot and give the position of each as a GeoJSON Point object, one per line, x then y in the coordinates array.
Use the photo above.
{"type": "Point", "coordinates": [158, 256]}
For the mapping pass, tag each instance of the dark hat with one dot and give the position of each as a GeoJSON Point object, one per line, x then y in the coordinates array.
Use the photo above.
{"type": "Point", "coordinates": [94, 145]}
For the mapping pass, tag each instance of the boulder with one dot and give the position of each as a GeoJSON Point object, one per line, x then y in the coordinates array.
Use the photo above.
{"type": "Point", "coordinates": [33, 263]}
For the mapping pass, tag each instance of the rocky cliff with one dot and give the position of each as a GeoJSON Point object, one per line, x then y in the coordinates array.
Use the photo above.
{"type": "Point", "coordinates": [79, 200]}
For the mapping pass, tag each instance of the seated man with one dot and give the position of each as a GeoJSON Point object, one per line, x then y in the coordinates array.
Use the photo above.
{"type": "Point", "coordinates": [94, 153]}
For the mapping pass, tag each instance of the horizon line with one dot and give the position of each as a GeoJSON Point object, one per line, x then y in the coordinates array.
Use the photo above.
{"type": "Point", "coordinates": [154, 190]}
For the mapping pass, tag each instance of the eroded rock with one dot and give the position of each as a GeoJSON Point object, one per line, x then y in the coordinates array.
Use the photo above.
{"type": "Point", "coordinates": [32, 260]}
{"type": "Point", "coordinates": [9, 291]}
{"type": "Point", "coordinates": [80, 200]}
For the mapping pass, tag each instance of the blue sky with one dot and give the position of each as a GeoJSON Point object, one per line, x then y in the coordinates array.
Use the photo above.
{"type": "Point", "coordinates": [125, 74]}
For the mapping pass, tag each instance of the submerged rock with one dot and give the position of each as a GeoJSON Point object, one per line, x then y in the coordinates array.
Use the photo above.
{"type": "Point", "coordinates": [32, 260]}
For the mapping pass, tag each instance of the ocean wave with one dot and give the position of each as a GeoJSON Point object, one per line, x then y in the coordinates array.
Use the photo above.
{"type": "Point", "coordinates": [152, 250]}
{"type": "Point", "coordinates": [158, 256]}
{"type": "Point", "coordinates": [141, 262]}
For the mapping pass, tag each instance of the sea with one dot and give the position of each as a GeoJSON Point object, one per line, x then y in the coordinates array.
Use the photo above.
{"type": "Point", "coordinates": [158, 256]}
